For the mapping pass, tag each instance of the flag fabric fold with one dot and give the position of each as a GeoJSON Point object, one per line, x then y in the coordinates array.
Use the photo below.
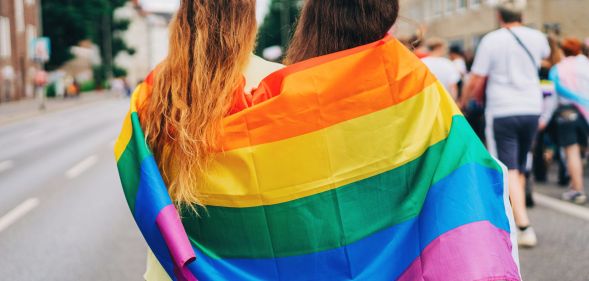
{"type": "Point", "coordinates": [352, 166]}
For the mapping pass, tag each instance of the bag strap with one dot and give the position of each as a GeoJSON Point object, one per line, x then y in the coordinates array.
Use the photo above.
{"type": "Point", "coordinates": [519, 41]}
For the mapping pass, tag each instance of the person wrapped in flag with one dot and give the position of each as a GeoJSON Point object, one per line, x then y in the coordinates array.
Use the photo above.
{"type": "Point", "coordinates": [352, 163]}
{"type": "Point", "coordinates": [569, 127]}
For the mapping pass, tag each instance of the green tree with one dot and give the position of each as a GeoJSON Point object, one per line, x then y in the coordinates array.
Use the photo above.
{"type": "Point", "coordinates": [278, 24]}
{"type": "Point", "coordinates": [67, 22]}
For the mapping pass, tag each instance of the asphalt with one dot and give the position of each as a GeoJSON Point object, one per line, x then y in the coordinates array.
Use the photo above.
{"type": "Point", "coordinates": [81, 228]}
{"type": "Point", "coordinates": [68, 219]}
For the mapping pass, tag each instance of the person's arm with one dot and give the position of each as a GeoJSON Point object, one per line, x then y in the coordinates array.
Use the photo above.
{"type": "Point", "coordinates": [454, 91]}
{"type": "Point", "coordinates": [550, 103]}
{"type": "Point", "coordinates": [474, 88]}
{"type": "Point", "coordinates": [481, 68]}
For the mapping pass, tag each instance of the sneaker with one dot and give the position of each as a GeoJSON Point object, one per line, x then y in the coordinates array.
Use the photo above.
{"type": "Point", "coordinates": [527, 238]}
{"type": "Point", "coordinates": [575, 197]}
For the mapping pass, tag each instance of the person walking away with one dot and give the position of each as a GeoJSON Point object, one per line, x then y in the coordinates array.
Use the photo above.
{"type": "Point", "coordinates": [458, 58]}
{"type": "Point", "coordinates": [508, 61]}
{"type": "Point", "coordinates": [442, 67]}
{"type": "Point", "coordinates": [7, 77]}
{"type": "Point", "coordinates": [570, 128]}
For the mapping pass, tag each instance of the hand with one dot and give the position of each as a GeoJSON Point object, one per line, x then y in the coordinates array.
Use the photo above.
{"type": "Point", "coordinates": [542, 125]}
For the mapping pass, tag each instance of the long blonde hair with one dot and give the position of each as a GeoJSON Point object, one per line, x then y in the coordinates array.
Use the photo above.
{"type": "Point", "coordinates": [210, 44]}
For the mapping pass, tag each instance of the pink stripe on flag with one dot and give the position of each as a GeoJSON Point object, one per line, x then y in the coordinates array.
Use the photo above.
{"type": "Point", "coordinates": [170, 225]}
{"type": "Point", "coordinates": [476, 251]}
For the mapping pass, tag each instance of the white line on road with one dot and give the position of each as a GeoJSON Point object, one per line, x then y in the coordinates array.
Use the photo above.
{"type": "Point", "coordinates": [81, 167]}
{"type": "Point", "coordinates": [6, 165]}
{"type": "Point", "coordinates": [18, 212]}
{"type": "Point", "coordinates": [561, 206]}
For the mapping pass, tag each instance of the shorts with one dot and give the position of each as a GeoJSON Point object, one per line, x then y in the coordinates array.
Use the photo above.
{"type": "Point", "coordinates": [568, 127]}
{"type": "Point", "coordinates": [513, 137]}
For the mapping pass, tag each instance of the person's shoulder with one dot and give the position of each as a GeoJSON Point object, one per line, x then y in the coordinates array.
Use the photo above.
{"type": "Point", "coordinates": [257, 69]}
{"type": "Point", "coordinates": [264, 65]}
{"type": "Point", "coordinates": [537, 34]}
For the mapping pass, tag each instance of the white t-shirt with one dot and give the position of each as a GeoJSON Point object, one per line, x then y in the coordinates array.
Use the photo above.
{"type": "Point", "coordinates": [513, 86]}
{"type": "Point", "coordinates": [443, 69]}
{"type": "Point", "coordinates": [460, 65]}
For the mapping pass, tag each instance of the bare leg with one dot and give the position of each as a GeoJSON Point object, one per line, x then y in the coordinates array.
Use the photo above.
{"type": "Point", "coordinates": [575, 167]}
{"type": "Point", "coordinates": [515, 182]}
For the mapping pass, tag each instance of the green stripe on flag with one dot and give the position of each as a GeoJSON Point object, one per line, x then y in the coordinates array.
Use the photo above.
{"type": "Point", "coordinates": [338, 217]}
{"type": "Point", "coordinates": [129, 164]}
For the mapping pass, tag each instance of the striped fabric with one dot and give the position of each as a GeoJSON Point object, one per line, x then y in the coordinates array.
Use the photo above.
{"type": "Point", "coordinates": [571, 80]}
{"type": "Point", "coordinates": [359, 166]}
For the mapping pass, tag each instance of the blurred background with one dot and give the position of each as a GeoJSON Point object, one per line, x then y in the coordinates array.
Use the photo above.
{"type": "Point", "coordinates": [67, 68]}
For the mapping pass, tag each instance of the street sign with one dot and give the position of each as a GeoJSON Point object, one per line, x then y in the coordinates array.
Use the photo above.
{"type": "Point", "coordinates": [40, 49]}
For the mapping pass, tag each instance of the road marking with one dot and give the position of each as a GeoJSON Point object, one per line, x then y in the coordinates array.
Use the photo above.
{"type": "Point", "coordinates": [562, 206]}
{"type": "Point", "coordinates": [18, 212]}
{"type": "Point", "coordinates": [81, 167]}
{"type": "Point", "coordinates": [6, 165]}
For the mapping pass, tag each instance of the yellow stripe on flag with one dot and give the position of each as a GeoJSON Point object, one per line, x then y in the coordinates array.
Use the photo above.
{"type": "Point", "coordinates": [309, 164]}
{"type": "Point", "coordinates": [127, 130]}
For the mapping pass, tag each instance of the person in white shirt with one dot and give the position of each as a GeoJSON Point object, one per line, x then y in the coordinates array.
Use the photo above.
{"type": "Point", "coordinates": [508, 60]}
{"type": "Point", "coordinates": [456, 55]}
{"type": "Point", "coordinates": [442, 67]}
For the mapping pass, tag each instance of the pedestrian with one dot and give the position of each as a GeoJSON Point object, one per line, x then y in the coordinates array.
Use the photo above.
{"type": "Point", "coordinates": [201, 81]}
{"type": "Point", "coordinates": [570, 128]}
{"type": "Point", "coordinates": [444, 69]}
{"type": "Point", "coordinates": [458, 58]}
{"type": "Point", "coordinates": [7, 77]}
{"type": "Point", "coordinates": [513, 100]}
{"type": "Point", "coordinates": [350, 163]}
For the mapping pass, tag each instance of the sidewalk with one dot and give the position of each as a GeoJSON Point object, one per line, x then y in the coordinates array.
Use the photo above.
{"type": "Point", "coordinates": [18, 110]}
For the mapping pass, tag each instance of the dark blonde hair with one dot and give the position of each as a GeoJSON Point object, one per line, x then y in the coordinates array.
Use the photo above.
{"type": "Point", "coordinates": [210, 44]}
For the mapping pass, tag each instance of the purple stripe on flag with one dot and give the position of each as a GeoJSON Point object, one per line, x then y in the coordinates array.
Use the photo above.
{"type": "Point", "coordinates": [476, 251]}
{"type": "Point", "coordinates": [170, 225]}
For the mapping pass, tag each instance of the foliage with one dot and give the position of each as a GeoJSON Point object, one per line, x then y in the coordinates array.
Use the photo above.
{"type": "Point", "coordinates": [67, 22]}
{"type": "Point", "coordinates": [272, 30]}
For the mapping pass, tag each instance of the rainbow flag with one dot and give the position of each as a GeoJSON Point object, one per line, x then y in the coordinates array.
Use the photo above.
{"type": "Point", "coordinates": [359, 167]}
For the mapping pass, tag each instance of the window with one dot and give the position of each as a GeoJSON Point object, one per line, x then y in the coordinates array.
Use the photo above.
{"type": "Point", "coordinates": [30, 2]}
{"type": "Point", "coordinates": [450, 6]}
{"type": "Point", "coordinates": [475, 3]}
{"type": "Point", "coordinates": [31, 36]}
{"type": "Point", "coordinates": [5, 43]}
{"type": "Point", "coordinates": [437, 7]}
{"type": "Point", "coordinates": [462, 4]}
{"type": "Point", "coordinates": [19, 13]}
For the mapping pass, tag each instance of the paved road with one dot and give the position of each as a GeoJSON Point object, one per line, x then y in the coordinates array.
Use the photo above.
{"type": "Point", "coordinates": [68, 219]}
{"type": "Point", "coordinates": [58, 172]}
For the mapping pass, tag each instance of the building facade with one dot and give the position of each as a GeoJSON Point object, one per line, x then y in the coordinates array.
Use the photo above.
{"type": "Point", "coordinates": [19, 25]}
{"type": "Point", "coordinates": [147, 35]}
{"type": "Point", "coordinates": [464, 22]}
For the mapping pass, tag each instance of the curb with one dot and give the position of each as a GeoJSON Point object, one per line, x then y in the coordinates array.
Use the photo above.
{"type": "Point", "coordinates": [38, 112]}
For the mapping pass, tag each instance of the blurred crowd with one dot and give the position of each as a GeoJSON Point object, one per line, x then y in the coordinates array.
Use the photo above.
{"type": "Point", "coordinates": [526, 95]}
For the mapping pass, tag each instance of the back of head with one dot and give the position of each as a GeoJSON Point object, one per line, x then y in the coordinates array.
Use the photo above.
{"type": "Point", "coordinates": [571, 46]}
{"type": "Point", "coordinates": [511, 11]}
{"type": "Point", "coordinates": [210, 44]}
{"type": "Point", "coordinates": [436, 44]}
{"type": "Point", "coordinates": [329, 26]}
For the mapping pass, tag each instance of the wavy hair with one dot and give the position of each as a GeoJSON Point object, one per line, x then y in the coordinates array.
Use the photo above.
{"type": "Point", "coordinates": [193, 89]}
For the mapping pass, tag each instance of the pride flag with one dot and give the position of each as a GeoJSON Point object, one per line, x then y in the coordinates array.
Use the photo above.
{"type": "Point", "coordinates": [571, 80]}
{"type": "Point", "coordinates": [358, 166]}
